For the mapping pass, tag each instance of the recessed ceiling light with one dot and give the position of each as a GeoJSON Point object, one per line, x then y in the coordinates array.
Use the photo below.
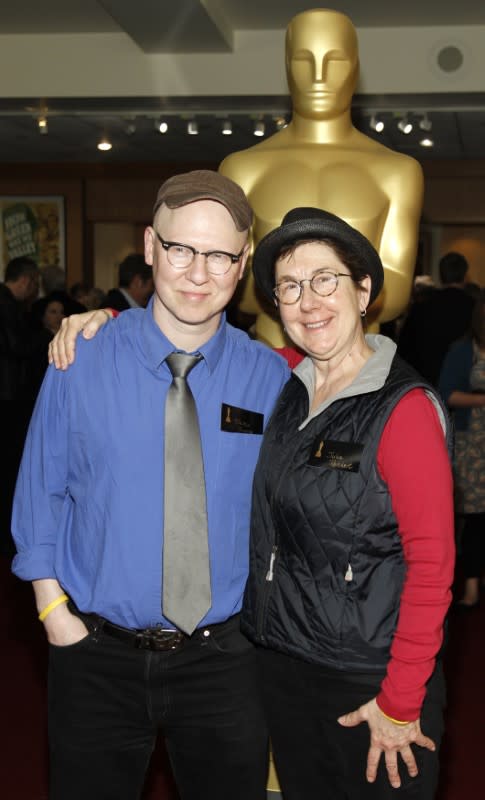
{"type": "Point", "coordinates": [104, 144]}
{"type": "Point", "coordinates": [42, 123]}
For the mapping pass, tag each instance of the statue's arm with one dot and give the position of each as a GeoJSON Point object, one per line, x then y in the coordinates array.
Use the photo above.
{"type": "Point", "coordinates": [404, 186]}
{"type": "Point", "coordinates": [237, 167]}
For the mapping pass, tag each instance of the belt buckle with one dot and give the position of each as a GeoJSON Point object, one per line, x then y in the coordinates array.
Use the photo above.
{"type": "Point", "coordinates": [159, 639]}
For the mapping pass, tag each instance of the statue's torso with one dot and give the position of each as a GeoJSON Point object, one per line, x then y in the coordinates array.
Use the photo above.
{"type": "Point", "coordinates": [346, 183]}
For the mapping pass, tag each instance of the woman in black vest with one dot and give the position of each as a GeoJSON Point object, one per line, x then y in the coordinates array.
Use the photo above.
{"type": "Point", "coordinates": [352, 533]}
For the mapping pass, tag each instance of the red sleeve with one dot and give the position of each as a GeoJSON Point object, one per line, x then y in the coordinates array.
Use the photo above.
{"type": "Point", "coordinates": [413, 460]}
{"type": "Point", "coordinates": [292, 355]}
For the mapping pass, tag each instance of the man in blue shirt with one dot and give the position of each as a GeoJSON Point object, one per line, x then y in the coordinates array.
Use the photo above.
{"type": "Point", "coordinates": [88, 524]}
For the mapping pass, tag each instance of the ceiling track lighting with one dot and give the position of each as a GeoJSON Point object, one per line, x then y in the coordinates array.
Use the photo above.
{"type": "Point", "coordinates": [192, 127]}
{"type": "Point", "coordinates": [259, 128]}
{"type": "Point", "coordinates": [162, 126]}
{"type": "Point", "coordinates": [280, 122]}
{"type": "Point", "coordinates": [104, 144]}
{"type": "Point", "coordinates": [376, 124]}
{"type": "Point", "coordinates": [227, 127]}
{"type": "Point", "coordinates": [405, 125]}
{"type": "Point", "coordinates": [425, 123]}
{"type": "Point", "coordinates": [427, 142]}
{"type": "Point", "coordinates": [42, 124]}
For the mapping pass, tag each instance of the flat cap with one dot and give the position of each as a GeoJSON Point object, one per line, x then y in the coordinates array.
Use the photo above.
{"type": "Point", "coordinates": [206, 184]}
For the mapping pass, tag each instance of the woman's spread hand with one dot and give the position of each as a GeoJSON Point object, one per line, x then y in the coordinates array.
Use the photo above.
{"type": "Point", "coordinates": [389, 738]}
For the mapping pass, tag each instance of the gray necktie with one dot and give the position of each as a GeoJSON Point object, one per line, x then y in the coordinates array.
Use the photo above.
{"type": "Point", "coordinates": [186, 570]}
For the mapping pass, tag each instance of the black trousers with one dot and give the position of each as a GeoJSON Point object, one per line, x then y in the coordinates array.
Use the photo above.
{"type": "Point", "coordinates": [473, 545]}
{"type": "Point", "coordinates": [318, 759]}
{"type": "Point", "coordinates": [107, 701]}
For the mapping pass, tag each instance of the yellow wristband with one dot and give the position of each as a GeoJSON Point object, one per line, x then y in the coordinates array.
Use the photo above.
{"type": "Point", "coordinates": [396, 721]}
{"type": "Point", "coordinates": [63, 598]}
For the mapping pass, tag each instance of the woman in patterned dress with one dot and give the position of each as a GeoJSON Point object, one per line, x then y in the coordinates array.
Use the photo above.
{"type": "Point", "coordinates": [462, 384]}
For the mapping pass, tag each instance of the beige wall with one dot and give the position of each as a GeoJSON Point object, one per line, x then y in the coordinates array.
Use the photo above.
{"type": "Point", "coordinates": [454, 208]}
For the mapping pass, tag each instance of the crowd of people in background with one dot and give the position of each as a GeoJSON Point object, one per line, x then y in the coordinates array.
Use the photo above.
{"type": "Point", "coordinates": [33, 303]}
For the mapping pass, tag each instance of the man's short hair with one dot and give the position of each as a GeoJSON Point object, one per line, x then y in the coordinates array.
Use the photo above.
{"type": "Point", "coordinates": [79, 290]}
{"type": "Point", "coordinates": [53, 278]}
{"type": "Point", "coordinates": [17, 267]}
{"type": "Point", "coordinates": [130, 267]}
{"type": "Point", "coordinates": [453, 268]}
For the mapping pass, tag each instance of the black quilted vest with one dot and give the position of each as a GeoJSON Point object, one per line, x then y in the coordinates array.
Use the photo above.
{"type": "Point", "coordinates": [326, 561]}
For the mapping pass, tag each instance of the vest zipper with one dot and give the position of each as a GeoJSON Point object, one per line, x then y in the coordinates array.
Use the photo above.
{"type": "Point", "coordinates": [270, 572]}
{"type": "Point", "coordinates": [268, 581]}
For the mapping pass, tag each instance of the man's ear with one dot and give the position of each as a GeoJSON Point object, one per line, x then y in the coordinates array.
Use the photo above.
{"type": "Point", "coordinates": [244, 261]}
{"type": "Point", "coordinates": [149, 245]}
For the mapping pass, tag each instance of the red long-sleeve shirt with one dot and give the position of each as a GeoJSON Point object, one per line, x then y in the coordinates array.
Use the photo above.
{"type": "Point", "coordinates": [413, 461]}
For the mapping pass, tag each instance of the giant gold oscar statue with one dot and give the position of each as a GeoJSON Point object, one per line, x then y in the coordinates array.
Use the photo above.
{"type": "Point", "coordinates": [320, 159]}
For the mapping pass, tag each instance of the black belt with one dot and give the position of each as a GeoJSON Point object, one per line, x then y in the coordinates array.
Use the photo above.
{"type": "Point", "coordinates": [149, 638]}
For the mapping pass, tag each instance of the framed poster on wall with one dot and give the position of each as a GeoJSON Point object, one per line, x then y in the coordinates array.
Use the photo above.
{"type": "Point", "coordinates": [34, 227]}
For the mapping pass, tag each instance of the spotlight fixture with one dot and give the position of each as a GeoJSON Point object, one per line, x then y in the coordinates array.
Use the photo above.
{"type": "Point", "coordinates": [425, 123]}
{"type": "Point", "coordinates": [162, 126]}
{"type": "Point", "coordinates": [227, 127]}
{"type": "Point", "coordinates": [104, 144]}
{"type": "Point", "coordinates": [192, 127]}
{"type": "Point", "coordinates": [280, 123]}
{"type": "Point", "coordinates": [376, 124]}
{"type": "Point", "coordinates": [259, 128]}
{"type": "Point", "coordinates": [405, 125]}
{"type": "Point", "coordinates": [427, 142]}
{"type": "Point", "coordinates": [42, 124]}
{"type": "Point", "coordinates": [130, 128]}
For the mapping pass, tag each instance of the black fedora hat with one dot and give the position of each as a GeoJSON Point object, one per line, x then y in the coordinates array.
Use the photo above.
{"type": "Point", "coordinates": [314, 223]}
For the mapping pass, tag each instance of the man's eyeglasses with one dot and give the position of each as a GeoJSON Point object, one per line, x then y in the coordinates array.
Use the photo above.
{"type": "Point", "coordinates": [181, 256]}
{"type": "Point", "coordinates": [322, 283]}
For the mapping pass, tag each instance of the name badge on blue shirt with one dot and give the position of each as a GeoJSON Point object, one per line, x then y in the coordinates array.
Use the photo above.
{"type": "Point", "coordinates": [241, 420]}
{"type": "Point", "coordinates": [336, 455]}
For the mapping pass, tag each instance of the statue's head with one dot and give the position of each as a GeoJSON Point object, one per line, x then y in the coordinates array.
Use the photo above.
{"type": "Point", "coordinates": [322, 63]}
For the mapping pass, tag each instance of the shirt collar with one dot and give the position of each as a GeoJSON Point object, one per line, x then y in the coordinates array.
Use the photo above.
{"type": "Point", "coordinates": [155, 346]}
{"type": "Point", "coordinates": [129, 299]}
{"type": "Point", "coordinates": [370, 378]}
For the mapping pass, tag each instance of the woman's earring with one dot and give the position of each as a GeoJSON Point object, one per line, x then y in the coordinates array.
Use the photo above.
{"type": "Point", "coordinates": [363, 312]}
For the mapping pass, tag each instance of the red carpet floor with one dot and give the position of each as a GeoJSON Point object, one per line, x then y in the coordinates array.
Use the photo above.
{"type": "Point", "coordinates": [23, 754]}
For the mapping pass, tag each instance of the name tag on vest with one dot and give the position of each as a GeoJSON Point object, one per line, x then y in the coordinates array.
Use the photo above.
{"type": "Point", "coordinates": [336, 455]}
{"type": "Point", "coordinates": [241, 420]}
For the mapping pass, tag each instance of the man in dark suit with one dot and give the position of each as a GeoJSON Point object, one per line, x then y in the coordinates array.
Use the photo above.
{"type": "Point", "coordinates": [20, 347]}
{"type": "Point", "coordinates": [135, 285]}
{"type": "Point", "coordinates": [442, 318]}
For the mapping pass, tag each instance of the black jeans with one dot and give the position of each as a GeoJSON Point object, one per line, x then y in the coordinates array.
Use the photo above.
{"type": "Point", "coordinates": [473, 545]}
{"type": "Point", "coordinates": [107, 701]}
{"type": "Point", "coordinates": [318, 759]}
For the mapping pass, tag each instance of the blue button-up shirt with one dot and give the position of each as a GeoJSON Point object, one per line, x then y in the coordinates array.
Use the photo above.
{"type": "Point", "coordinates": [88, 509]}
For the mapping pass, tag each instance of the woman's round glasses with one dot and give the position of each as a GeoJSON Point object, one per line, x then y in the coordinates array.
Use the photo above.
{"type": "Point", "coordinates": [322, 283]}
{"type": "Point", "coordinates": [181, 256]}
